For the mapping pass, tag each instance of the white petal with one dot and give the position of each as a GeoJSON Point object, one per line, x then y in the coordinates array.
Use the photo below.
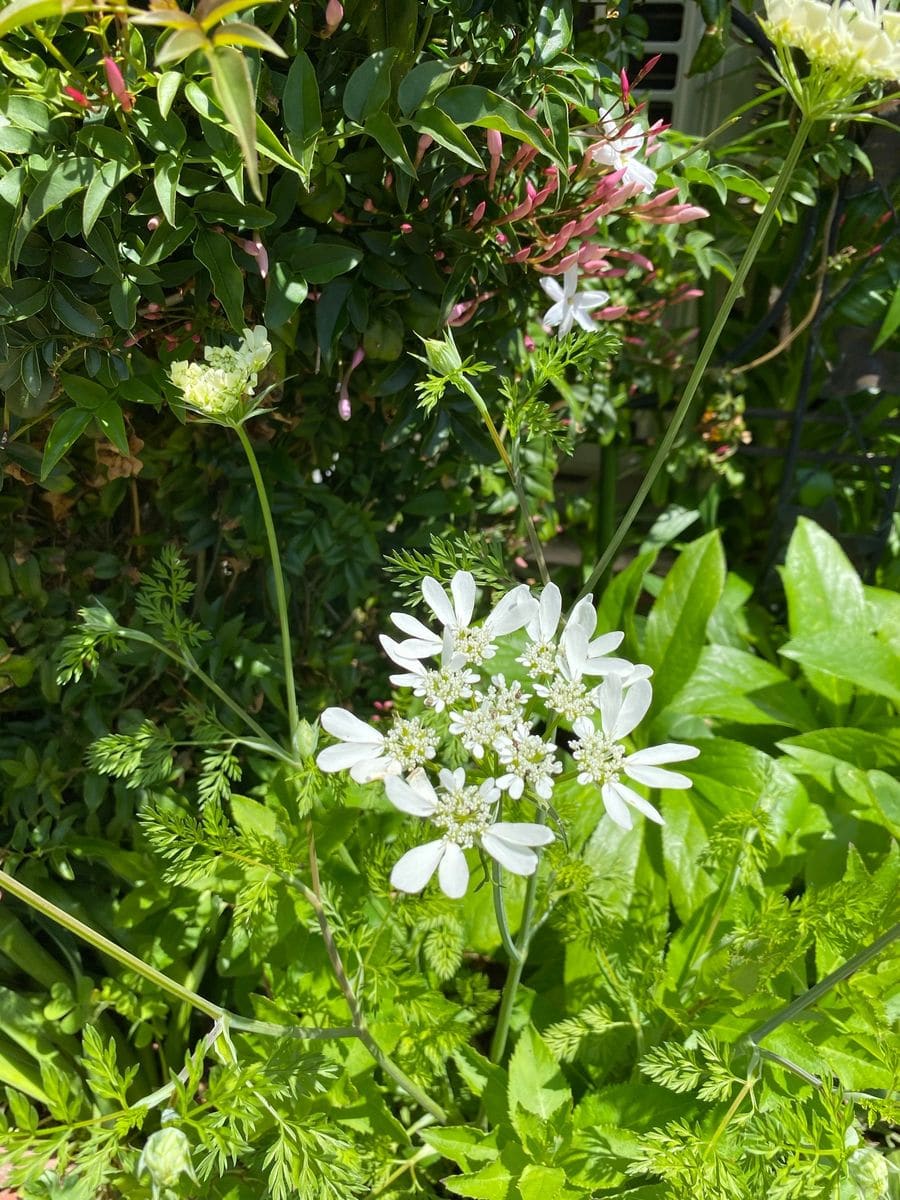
{"type": "Point", "coordinates": [342, 724]}
{"type": "Point", "coordinates": [668, 752]}
{"type": "Point", "coordinates": [656, 777]}
{"type": "Point", "coordinates": [392, 650]}
{"type": "Point", "coordinates": [416, 796]}
{"type": "Point", "coordinates": [583, 727]}
{"type": "Point", "coordinates": [567, 321]}
{"type": "Point", "coordinates": [406, 681]}
{"type": "Point", "coordinates": [634, 707]}
{"type": "Point", "coordinates": [523, 833]}
{"type": "Point", "coordinates": [439, 602]}
{"type": "Point", "coordinates": [345, 756]}
{"type": "Point", "coordinates": [417, 648]}
{"type": "Point", "coordinates": [616, 807]}
{"type": "Point", "coordinates": [462, 585]}
{"type": "Point", "coordinates": [631, 797]}
{"type": "Point", "coordinates": [417, 866]}
{"type": "Point", "coordinates": [606, 643]}
{"type": "Point", "coordinates": [610, 695]}
{"type": "Point", "coordinates": [453, 872]}
{"type": "Point", "coordinates": [375, 768]}
{"type": "Point", "coordinates": [570, 281]}
{"type": "Point", "coordinates": [602, 665]}
{"type": "Point", "coordinates": [556, 314]}
{"type": "Point", "coordinates": [584, 615]}
{"type": "Point", "coordinates": [518, 859]}
{"type": "Point", "coordinates": [550, 611]}
{"type": "Point", "coordinates": [513, 611]}
{"type": "Point", "coordinates": [414, 627]}
{"type": "Point", "coordinates": [581, 317]}
{"type": "Point", "coordinates": [587, 301]}
{"type": "Point", "coordinates": [451, 780]}
{"type": "Point", "coordinates": [552, 289]}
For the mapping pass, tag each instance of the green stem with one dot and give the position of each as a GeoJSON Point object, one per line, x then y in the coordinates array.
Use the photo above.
{"type": "Point", "coordinates": [500, 912]}
{"type": "Point", "coordinates": [824, 985]}
{"type": "Point", "coordinates": [606, 495]}
{"type": "Point", "coordinates": [514, 973]}
{"type": "Point", "coordinates": [130, 961]}
{"type": "Point", "coordinates": [515, 478]}
{"type": "Point", "coordinates": [280, 591]}
{"type": "Point", "coordinates": [706, 352]}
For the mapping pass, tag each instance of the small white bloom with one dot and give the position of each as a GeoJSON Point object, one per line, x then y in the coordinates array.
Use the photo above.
{"type": "Point", "coordinates": [570, 307]}
{"type": "Point", "coordinates": [367, 753]}
{"type": "Point", "coordinates": [439, 688]}
{"type": "Point", "coordinates": [454, 611]}
{"type": "Point", "coordinates": [576, 642]}
{"type": "Point", "coordinates": [620, 151]}
{"type": "Point", "coordinates": [602, 758]}
{"type": "Point", "coordinates": [530, 762]}
{"type": "Point", "coordinates": [464, 813]}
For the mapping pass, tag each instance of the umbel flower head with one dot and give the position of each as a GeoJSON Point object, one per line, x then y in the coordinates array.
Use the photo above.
{"type": "Point", "coordinates": [497, 729]}
{"type": "Point", "coordinates": [847, 44]}
{"type": "Point", "coordinates": [220, 387]}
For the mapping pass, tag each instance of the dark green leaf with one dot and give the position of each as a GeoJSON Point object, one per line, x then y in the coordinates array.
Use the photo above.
{"type": "Point", "coordinates": [286, 293]}
{"type": "Point", "coordinates": [369, 87]}
{"type": "Point", "coordinates": [74, 313]}
{"type": "Point", "coordinates": [471, 105]}
{"type": "Point", "coordinates": [387, 135]}
{"type": "Point", "coordinates": [301, 107]}
{"type": "Point", "coordinates": [236, 94]}
{"type": "Point", "coordinates": [214, 251]}
{"type": "Point", "coordinates": [62, 180]}
{"type": "Point", "coordinates": [447, 134]}
{"type": "Point", "coordinates": [66, 430]}
{"type": "Point", "coordinates": [109, 417]}
{"type": "Point", "coordinates": [104, 182]}
{"type": "Point", "coordinates": [166, 170]}
{"type": "Point", "coordinates": [422, 84]}
{"type": "Point", "coordinates": [324, 261]}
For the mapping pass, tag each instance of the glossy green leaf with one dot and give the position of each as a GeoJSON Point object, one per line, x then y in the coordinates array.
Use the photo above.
{"type": "Point", "coordinates": [447, 134]}
{"type": "Point", "coordinates": [26, 12]}
{"type": "Point", "coordinates": [101, 187]}
{"type": "Point", "coordinates": [123, 301]}
{"type": "Point", "coordinates": [301, 107]}
{"type": "Point", "coordinates": [472, 105]}
{"type": "Point", "coordinates": [167, 86]}
{"type": "Point", "coordinates": [109, 417]}
{"type": "Point", "coordinates": [65, 178]}
{"type": "Point", "coordinates": [85, 392]}
{"type": "Point", "coordinates": [554, 30]}
{"type": "Point", "coordinates": [369, 87]}
{"type": "Point", "coordinates": [324, 261]}
{"type": "Point", "coordinates": [74, 313]}
{"type": "Point", "coordinates": [166, 171]}
{"type": "Point", "coordinates": [239, 33]}
{"type": "Point", "coordinates": [64, 433]}
{"type": "Point", "coordinates": [210, 12]}
{"type": "Point", "coordinates": [387, 135]}
{"type": "Point", "coordinates": [733, 685]}
{"type": "Point", "coordinates": [422, 84]}
{"type": "Point", "coordinates": [676, 627]}
{"type": "Point", "coordinates": [236, 94]}
{"type": "Point", "coordinates": [178, 45]}
{"type": "Point", "coordinates": [11, 183]}
{"type": "Point", "coordinates": [214, 251]}
{"type": "Point", "coordinates": [287, 291]}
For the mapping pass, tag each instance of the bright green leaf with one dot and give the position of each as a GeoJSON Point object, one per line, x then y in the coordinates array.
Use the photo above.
{"type": "Point", "coordinates": [369, 87]}
{"type": "Point", "coordinates": [65, 432]}
{"type": "Point", "coordinates": [236, 94]}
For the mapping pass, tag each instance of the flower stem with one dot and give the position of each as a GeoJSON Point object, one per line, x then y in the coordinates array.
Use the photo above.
{"type": "Point", "coordinates": [706, 352]}
{"type": "Point", "coordinates": [130, 961]}
{"type": "Point", "coordinates": [514, 973]}
{"type": "Point", "coordinates": [280, 592]}
{"type": "Point", "coordinates": [515, 477]}
{"type": "Point", "coordinates": [500, 912]}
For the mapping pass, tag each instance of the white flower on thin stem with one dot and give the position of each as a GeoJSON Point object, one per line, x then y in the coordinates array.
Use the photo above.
{"type": "Point", "coordinates": [570, 307]}
{"type": "Point", "coordinates": [465, 815]}
{"type": "Point", "coordinates": [602, 759]}
{"type": "Point", "coordinates": [619, 150]}
{"type": "Point", "coordinates": [576, 642]}
{"type": "Point", "coordinates": [440, 687]}
{"type": "Point", "coordinates": [369, 754]}
{"type": "Point", "coordinates": [454, 611]}
{"type": "Point", "coordinates": [502, 708]}
{"type": "Point", "coordinates": [530, 762]}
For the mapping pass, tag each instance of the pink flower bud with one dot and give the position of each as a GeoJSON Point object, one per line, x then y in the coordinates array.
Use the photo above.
{"type": "Point", "coordinates": [501, 239]}
{"type": "Point", "coordinates": [153, 224]}
{"type": "Point", "coordinates": [529, 343]}
{"type": "Point", "coordinates": [79, 97]}
{"type": "Point", "coordinates": [422, 147]}
{"type": "Point", "coordinates": [340, 219]}
{"type": "Point", "coordinates": [255, 248]}
{"type": "Point", "coordinates": [334, 14]}
{"type": "Point", "coordinates": [406, 227]}
{"type": "Point", "coordinates": [117, 84]}
{"type": "Point", "coordinates": [477, 214]}
{"type": "Point", "coordinates": [369, 205]}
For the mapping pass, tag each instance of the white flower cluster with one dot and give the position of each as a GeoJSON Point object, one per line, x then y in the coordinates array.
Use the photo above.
{"type": "Point", "coordinates": [226, 377]}
{"type": "Point", "coordinates": [505, 727]}
{"type": "Point", "coordinates": [857, 39]}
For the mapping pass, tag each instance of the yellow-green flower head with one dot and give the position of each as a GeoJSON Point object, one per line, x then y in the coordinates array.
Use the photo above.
{"type": "Point", "coordinates": [221, 385]}
{"type": "Point", "coordinates": [855, 39]}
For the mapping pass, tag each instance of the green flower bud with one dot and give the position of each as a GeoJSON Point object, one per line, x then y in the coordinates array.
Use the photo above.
{"type": "Point", "coordinates": [165, 1158]}
{"type": "Point", "coordinates": [442, 355]}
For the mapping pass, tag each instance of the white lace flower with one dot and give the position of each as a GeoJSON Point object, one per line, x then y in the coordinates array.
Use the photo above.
{"type": "Point", "coordinates": [570, 307]}
{"type": "Point", "coordinates": [602, 759]}
{"type": "Point", "coordinates": [577, 641]}
{"type": "Point", "coordinates": [439, 688]}
{"type": "Point", "coordinates": [226, 377]}
{"type": "Point", "coordinates": [856, 39]}
{"type": "Point", "coordinates": [530, 763]}
{"type": "Point", "coordinates": [464, 813]}
{"type": "Point", "coordinates": [620, 151]}
{"type": "Point", "coordinates": [474, 643]}
{"type": "Point", "coordinates": [502, 707]}
{"type": "Point", "coordinates": [367, 753]}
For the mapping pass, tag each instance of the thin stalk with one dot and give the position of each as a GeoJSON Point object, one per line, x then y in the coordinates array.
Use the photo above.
{"type": "Point", "coordinates": [214, 1011]}
{"type": "Point", "coordinates": [280, 591]}
{"type": "Point", "coordinates": [606, 495]}
{"type": "Point", "coordinates": [500, 912]}
{"type": "Point", "coordinates": [514, 973]}
{"type": "Point", "coordinates": [515, 478]}
{"type": "Point", "coordinates": [706, 352]}
{"type": "Point", "coordinates": [313, 896]}
{"type": "Point", "coordinates": [824, 985]}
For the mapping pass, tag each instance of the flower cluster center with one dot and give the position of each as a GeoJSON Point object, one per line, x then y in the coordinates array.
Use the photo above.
{"type": "Point", "coordinates": [539, 658]}
{"type": "Point", "coordinates": [445, 686]}
{"type": "Point", "coordinates": [464, 813]}
{"type": "Point", "coordinates": [474, 644]}
{"type": "Point", "coordinates": [410, 742]}
{"type": "Point", "coordinates": [569, 697]}
{"type": "Point", "coordinates": [599, 757]}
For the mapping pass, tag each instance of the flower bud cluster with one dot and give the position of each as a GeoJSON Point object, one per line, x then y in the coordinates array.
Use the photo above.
{"type": "Point", "coordinates": [502, 727]}
{"type": "Point", "coordinates": [220, 386]}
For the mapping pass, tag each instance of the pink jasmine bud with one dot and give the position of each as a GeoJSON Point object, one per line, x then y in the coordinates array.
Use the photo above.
{"type": "Point", "coordinates": [340, 218]}
{"type": "Point", "coordinates": [345, 412]}
{"type": "Point", "coordinates": [334, 14]}
{"type": "Point", "coordinates": [477, 214]}
{"type": "Point", "coordinates": [501, 239]}
{"type": "Point", "coordinates": [79, 97]}
{"type": "Point", "coordinates": [422, 147]}
{"type": "Point", "coordinates": [153, 223]}
{"type": "Point", "coordinates": [368, 205]}
{"type": "Point", "coordinates": [424, 204]}
{"type": "Point", "coordinates": [117, 84]}
{"type": "Point", "coordinates": [495, 150]}
{"type": "Point", "coordinates": [529, 346]}
{"type": "Point", "coordinates": [388, 179]}
{"type": "Point", "coordinates": [406, 227]}
{"type": "Point", "coordinates": [464, 181]}
{"type": "Point", "coordinates": [255, 248]}
{"type": "Point", "coordinates": [439, 255]}
{"type": "Point", "coordinates": [196, 339]}
{"type": "Point", "coordinates": [612, 312]}
{"type": "Point", "coordinates": [626, 89]}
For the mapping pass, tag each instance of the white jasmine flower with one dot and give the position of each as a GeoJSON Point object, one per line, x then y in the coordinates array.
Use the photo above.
{"type": "Point", "coordinates": [530, 763]}
{"type": "Point", "coordinates": [439, 688]}
{"type": "Point", "coordinates": [455, 611]}
{"type": "Point", "coordinates": [602, 759]}
{"type": "Point", "coordinates": [570, 307]}
{"type": "Point", "coordinates": [464, 813]}
{"type": "Point", "coordinates": [620, 151]}
{"type": "Point", "coordinates": [367, 753]}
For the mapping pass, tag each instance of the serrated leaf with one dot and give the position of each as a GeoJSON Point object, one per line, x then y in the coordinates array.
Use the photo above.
{"type": "Point", "coordinates": [535, 1081]}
